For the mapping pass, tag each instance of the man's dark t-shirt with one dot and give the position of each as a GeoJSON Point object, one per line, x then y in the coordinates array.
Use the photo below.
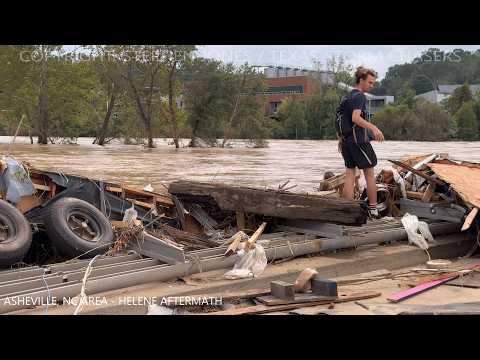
{"type": "Point", "coordinates": [358, 102]}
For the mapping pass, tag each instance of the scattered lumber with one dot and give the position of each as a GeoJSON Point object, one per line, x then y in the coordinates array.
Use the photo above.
{"type": "Point", "coordinates": [419, 173]}
{"type": "Point", "coordinates": [263, 309]}
{"type": "Point", "coordinates": [273, 300]}
{"type": "Point", "coordinates": [442, 279]}
{"type": "Point", "coordinates": [273, 203]}
{"type": "Point", "coordinates": [251, 241]}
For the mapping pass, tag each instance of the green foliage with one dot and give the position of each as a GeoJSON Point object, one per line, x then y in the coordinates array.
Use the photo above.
{"type": "Point", "coordinates": [466, 122]}
{"type": "Point", "coordinates": [292, 117]}
{"type": "Point", "coordinates": [424, 122]}
{"type": "Point", "coordinates": [461, 95]}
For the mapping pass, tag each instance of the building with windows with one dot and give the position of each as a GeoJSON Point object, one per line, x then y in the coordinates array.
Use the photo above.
{"type": "Point", "coordinates": [286, 82]}
{"type": "Point", "coordinates": [443, 92]}
{"type": "Point", "coordinates": [297, 83]}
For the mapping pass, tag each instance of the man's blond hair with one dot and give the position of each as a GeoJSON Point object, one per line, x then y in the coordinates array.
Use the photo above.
{"type": "Point", "coordinates": [362, 74]}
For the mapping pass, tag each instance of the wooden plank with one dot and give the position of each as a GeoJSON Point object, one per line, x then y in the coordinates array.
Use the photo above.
{"type": "Point", "coordinates": [428, 194]}
{"type": "Point", "coordinates": [332, 183]}
{"type": "Point", "coordinates": [162, 199]}
{"type": "Point", "coordinates": [415, 195]}
{"type": "Point", "coordinates": [41, 187]}
{"type": "Point", "coordinates": [469, 220]}
{"type": "Point", "coordinates": [114, 189]}
{"type": "Point", "coordinates": [402, 295]}
{"type": "Point", "coordinates": [27, 203]}
{"type": "Point", "coordinates": [470, 281]}
{"type": "Point", "coordinates": [272, 203]}
{"type": "Point", "coordinates": [251, 241]}
{"type": "Point", "coordinates": [234, 245]}
{"type": "Point", "coordinates": [141, 203]}
{"type": "Point", "coordinates": [235, 295]}
{"type": "Point", "coordinates": [53, 189]}
{"type": "Point", "coordinates": [271, 300]}
{"type": "Point", "coordinates": [240, 216]}
{"type": "Point", "coordinates": [263, 309]}
{"type": "Point", "coordinates": [419, 173]}
{"type": "Point", "coordinates": [193, 226]}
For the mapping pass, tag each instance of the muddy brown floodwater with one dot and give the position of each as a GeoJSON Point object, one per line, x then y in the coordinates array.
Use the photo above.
{"type": "Point", "coordinates": [303, 162]}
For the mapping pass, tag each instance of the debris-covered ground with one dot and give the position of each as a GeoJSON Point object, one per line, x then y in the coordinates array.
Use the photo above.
{"type": "Point", "coordinates": [70, 235]}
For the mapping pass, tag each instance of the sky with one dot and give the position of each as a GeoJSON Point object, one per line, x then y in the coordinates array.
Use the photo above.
{"type": "Point", "coordinates": [378, 57]}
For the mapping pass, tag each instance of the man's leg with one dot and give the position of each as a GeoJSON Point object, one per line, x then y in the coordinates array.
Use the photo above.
{"type": "Point", "coordinates": [371, 186]}
{"type": "Point", "coordinates": [349, 185]}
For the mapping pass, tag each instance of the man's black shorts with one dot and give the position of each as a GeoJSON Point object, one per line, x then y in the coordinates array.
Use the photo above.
{"type": "Point", "coordinates": [358, 155]}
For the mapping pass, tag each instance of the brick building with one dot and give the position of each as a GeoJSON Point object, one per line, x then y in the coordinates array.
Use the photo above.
{"type": "Point", "coordinates": [286, 82]}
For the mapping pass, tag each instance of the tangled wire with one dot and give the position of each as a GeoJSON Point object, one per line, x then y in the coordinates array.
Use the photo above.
{"type": "Point", "coordinates": [123, 237]}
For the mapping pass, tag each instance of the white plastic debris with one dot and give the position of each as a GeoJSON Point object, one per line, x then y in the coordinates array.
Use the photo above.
{"type": "Point", "coordinates": [400, 181]}
{"type": "Point", "coordinates": [164, 310]}
{"type": "Point", "coordinates": [362, 184]}
{"type": "Point", "coordinates": [130, 215]}
{"type": "Point", "coordinates": [417, 231]}
{"type": "Point", "coordinates": [148, 188]}
{"type": "Point", "coordinates": [250, 264]}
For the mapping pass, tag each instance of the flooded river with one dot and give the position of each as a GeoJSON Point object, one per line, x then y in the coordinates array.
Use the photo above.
{"type": "Point", "coordinates": [302, 161]}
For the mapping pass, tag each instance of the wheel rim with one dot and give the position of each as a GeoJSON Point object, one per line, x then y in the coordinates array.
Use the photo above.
{"type": "Point", "coordinates": [84, 226]}
{"type": "Point", "coordinates": [7, 230]}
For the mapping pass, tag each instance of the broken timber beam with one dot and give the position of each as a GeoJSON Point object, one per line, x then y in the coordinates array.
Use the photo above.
{"type": "Point", "coordinates": [274, 203]}
{"type": "Point", "coordinates": [430, 179]}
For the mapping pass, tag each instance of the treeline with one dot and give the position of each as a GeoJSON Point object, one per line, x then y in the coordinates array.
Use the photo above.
{"type": "Point", "coordinates": [456, 118]}
{"type": "Point", "coordinates": [431, 68]}
{"type": "Point", "coordinates": [130, 92]}
{"type": "Point", "coordinates": [139, 92]}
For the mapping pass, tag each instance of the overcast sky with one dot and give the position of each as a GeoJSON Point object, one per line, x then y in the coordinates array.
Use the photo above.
{"type": "Point", "coordinates": [378, 57]}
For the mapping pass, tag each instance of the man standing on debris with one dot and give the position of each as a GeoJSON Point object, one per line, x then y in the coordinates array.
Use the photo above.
{"type": "Point", "coordinates": [354, 145]}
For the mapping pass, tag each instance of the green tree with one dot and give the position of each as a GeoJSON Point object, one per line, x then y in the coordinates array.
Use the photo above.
{"type": "Point", "coordinates": [460, 96]}
{"type": "Point", "coordinates": [466, 122]}
{"type": "Point", "coordinates": [292, 116]}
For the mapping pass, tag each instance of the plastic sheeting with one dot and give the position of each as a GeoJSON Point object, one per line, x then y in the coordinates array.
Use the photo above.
{"type": "Point", "coordinates": [418, 232]}
{"type": "Point", "coordinates": [249, 264]}
{"type": "Point", "coordinates": [15, 181]}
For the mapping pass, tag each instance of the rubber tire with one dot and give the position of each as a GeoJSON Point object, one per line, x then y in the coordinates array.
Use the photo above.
{"type": "Point", "coordinates": [65, 240]}
{"type": "Point", "coordinates": [17, 244]}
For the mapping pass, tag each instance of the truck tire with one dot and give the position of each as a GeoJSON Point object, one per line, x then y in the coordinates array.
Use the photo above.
{"type": "Point", "coordinates": [76, 227]}
{"type": "Point", "coordinates": [15, 234]}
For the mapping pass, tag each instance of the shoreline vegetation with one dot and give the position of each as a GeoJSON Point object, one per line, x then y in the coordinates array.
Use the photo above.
{"type": "Point", "coordinates": [136, 93]}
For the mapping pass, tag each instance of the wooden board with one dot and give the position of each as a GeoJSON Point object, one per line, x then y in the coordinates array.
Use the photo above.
{"type": "Point", "coordinates": [27, 203]}
{"type": "Point", "coordinates": [41, 187]}
{"type": "Point", "coordinates": [273, 203]}
{"type": "Point", "coordinates": [162, 199]}
{"type": "Point", "coordinates": [402, 295]}
{"type": "Point", "coordinates": [469, 220]}
{"type": "Point", "coordinates": [299, 299]}
{"type": "Point", "coordinates": [240, 217]}
{"type": "Point", "coordinates": [463, 179]}
{"type": "Point", "coordinates": [193, 226]}
{"type": "Point", "coordinates": [234, 245]}
{"type": "Point", "coordinates": [415, 195]}
{"type": "Point", "coordinates": [140, 203]}
{"type": "Point", "coordinates": [470, 281]}
{"type": "Point", "coordinates": [428, 194]}
{"type": "Point", "coordinates": [263, 309]}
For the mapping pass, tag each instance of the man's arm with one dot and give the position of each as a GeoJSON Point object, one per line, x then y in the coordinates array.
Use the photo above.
{"type": "Point", "coordinates": [357, 119]}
